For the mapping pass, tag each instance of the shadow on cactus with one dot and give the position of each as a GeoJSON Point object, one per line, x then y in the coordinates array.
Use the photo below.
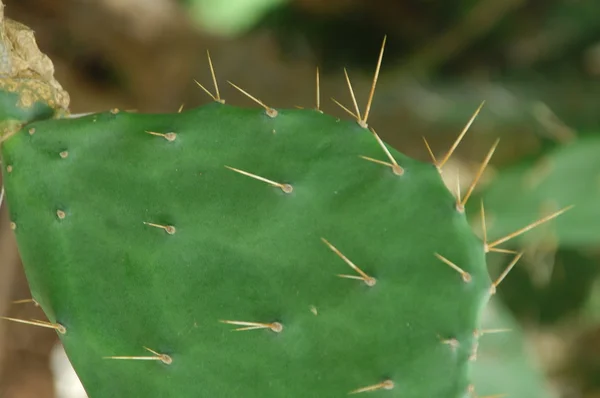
{"type": "Point", "coordinates": [231, 252]}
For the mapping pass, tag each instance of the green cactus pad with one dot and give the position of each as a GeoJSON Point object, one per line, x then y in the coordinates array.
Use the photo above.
{"type": "Point", "coordinates": [566, 175]}
{"type": "Point", "coordinates": [88, 197]}
{"type": "Point", "coordinates": [504, 363]}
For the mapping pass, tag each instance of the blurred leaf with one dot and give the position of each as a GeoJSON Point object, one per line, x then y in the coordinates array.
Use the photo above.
{"type": "Point", "coordinates": [231, 17]}
{"type": "Point", "coordinates": [564, 176]}
{"type": "Point", "coordinates": [592, 308]}
{"type": "Point", "coordinates": [503, 364]}
{"type": "Point", "coordinates": [549, 287]}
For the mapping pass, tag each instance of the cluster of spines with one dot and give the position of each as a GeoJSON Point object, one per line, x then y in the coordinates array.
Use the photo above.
{"type": "Point", "coordinates": [362, 120]}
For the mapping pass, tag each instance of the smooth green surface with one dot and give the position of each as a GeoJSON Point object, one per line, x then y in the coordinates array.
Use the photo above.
{"type": "Point", "coordinates": [567, 175]}
{"type": "Point", "coordinates": [245, 251]}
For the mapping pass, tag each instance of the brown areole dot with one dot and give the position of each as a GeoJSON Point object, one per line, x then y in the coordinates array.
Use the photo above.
{"type": "Point", "coordinates": [170, 229]}
{"type": "Point", "coordinates": [166, 359]}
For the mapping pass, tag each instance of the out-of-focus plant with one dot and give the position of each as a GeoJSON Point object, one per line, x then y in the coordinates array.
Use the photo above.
{"type": "Point", "coordinates": [231, 17]}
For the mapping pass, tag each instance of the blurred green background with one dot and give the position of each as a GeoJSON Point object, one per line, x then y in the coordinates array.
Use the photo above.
{"type": "Point", "coordinates": [536, 63]}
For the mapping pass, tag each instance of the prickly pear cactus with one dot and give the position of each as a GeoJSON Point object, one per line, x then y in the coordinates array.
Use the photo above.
{"type": "Point", "coordinates": [231, 252]}
{"type": "Point", "coordinates": [504, 355]}
{"type": "Point", "coordinates": [558, 273]}
{"type": "Point", "coordinates": [564, 175]}
{"type": "Point", "coordinates": [134, 239]}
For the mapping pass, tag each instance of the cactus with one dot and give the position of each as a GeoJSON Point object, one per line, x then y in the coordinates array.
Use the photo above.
{"type": "Point", "coordinates": [503, 356]}
{"type": "Point", "coordinates": [563, 175]}
{"type": "Point", "coordinates": [242, 252]}
{"type": "Point", "coordinates": [551, 286]}
{"type": "Point", "coordinates": [561, 264]}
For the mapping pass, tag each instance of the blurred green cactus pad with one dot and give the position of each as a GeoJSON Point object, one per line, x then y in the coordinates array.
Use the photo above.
{"type": "Point", "coordinates": [566, 175]}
